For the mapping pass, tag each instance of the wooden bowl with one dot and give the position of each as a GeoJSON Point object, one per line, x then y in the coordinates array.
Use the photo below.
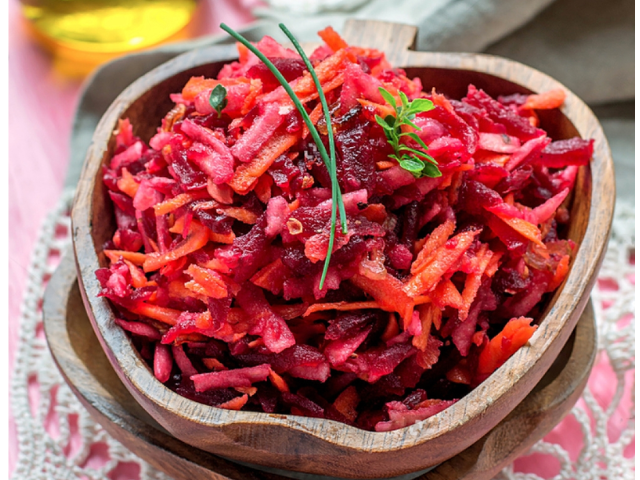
{"type": "Point", "coordinates": [316, 445]}
{"type": "Point", "coordinates": [77, 352]}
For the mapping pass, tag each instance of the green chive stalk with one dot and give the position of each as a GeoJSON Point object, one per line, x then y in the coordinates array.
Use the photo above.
{"type": "Point", "coordinates": [335, 190]}
{"type": "Point", "coordinates": [327, 116]}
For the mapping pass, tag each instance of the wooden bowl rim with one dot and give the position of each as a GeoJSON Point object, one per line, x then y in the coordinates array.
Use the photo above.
{"type": "Point", "coordinates": [474, 404]}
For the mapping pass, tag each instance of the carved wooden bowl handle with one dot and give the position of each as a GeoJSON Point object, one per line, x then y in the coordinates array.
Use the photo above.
{"type": "Point", "coordinates": [394, 39]}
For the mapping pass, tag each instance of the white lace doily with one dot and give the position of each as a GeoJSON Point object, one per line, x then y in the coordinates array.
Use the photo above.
{"type": "Point", "coordinates": [59, 440]}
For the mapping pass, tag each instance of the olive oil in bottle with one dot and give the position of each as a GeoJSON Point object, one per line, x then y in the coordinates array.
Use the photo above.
{"type": "Point", "coordinates": [89, 32]}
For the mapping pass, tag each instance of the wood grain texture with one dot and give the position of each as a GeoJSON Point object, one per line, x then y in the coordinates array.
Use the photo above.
{"type": "Point", "coordinates": [87, 371]}
{"type": "Point", "coordinates": [322, 446]}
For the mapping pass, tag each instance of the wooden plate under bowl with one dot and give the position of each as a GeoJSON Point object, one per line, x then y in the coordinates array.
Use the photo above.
{"type": "Point", "coordinates": [85, 368]}
{"type": "Point", "coordinates": [322, 446]}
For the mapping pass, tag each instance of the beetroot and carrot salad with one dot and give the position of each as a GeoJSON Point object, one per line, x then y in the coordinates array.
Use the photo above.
{"type": "Point", "coordinates": [454, 213]}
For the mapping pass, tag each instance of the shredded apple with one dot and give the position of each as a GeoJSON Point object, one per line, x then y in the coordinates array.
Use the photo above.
{"type": "Point", "coordinates": [223, 224]}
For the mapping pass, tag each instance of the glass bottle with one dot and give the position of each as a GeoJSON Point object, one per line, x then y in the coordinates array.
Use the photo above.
{"type": "Point", "coordinates": [84, 33]}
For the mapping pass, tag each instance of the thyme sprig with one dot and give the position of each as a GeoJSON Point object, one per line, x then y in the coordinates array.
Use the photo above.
{"type": "Point", "coordinates": [329, 161]}
{"type": "Point", "coordinates": [418, 162]}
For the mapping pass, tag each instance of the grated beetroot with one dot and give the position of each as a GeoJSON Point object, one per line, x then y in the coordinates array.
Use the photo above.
{"type": "Point", "coordinates": [223, 224]}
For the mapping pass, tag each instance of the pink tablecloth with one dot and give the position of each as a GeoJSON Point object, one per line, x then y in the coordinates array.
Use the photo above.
{"type": "Point", "coordinates": [41, 106]}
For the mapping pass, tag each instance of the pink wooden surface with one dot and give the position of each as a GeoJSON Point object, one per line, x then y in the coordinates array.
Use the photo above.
{"type": "Point", "coordinates": [41, 105]}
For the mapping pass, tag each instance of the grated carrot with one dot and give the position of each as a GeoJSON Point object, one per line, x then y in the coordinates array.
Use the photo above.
{"type": "Point", "coordinates": [332, 39]}
{"type": "Point", "coordinates": [133, 257]}
{"type": "Point", "coordinates": [246, 175]}
{"type": "Point", "coordinates": [236, 403]}
{"type": "Point", "coordinates": [340, 306]}
{"type": "Point", "coordinates": [545, 101]}
{"type": "Point", "coordinates": [127, 184]}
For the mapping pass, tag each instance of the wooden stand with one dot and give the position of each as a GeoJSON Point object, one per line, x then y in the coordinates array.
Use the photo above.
{"type": "Point", "coordinates": [88, 372]}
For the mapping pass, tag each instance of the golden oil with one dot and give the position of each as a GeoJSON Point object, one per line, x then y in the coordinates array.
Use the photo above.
{"type": "Point", "coordinates": [84, 33]}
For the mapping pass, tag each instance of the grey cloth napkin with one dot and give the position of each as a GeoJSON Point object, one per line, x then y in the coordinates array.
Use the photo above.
{"type": "Point", "coordinates": [586, 44]}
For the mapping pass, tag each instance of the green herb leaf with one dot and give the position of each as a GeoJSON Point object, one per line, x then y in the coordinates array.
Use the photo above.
{"type": "Point", "coordinates": [383, 123]}
{"type": "Point", "coordinates": [408, 121]}
{"type": "Point", "coordinates": [431, 159]}
{"type": "Point", "coordinates": [403, 97]}
{"type": "Point", "coordinates": [414, 136]}
{"type": "Point", "coordinates": [404, 148]}
{"type": "Point", "coordinates": [390, 99]}
{"type": "Point", "coordinates": [420, 105]}
{"type": "Point", "coordinates": [412, 164]}
{"type": "Point", "coordinates": [218, 99]}
{"type": "Point", "coordinates": [430, 170]}
{"type": "Point", "coordinates": [391, 121]}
